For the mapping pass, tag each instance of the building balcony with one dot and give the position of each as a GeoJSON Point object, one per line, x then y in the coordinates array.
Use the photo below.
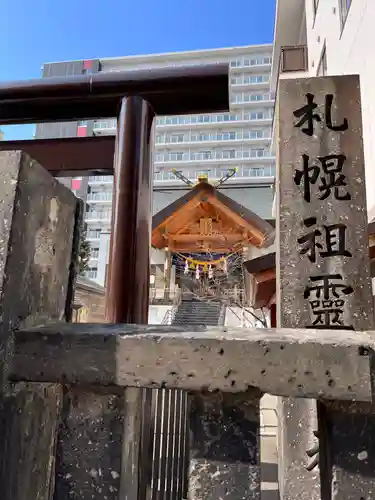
{"type": "Point", "coordinates": [101, 179]}
{"type": "Point", "coordinates": [199, 159]}
{"type": "Point", "coordinates": [190, 122]}
{"type": "Point", "coordinates": [243, 174]}
{"type": "Point", "coordinates": [99, 197]}
{"type": "Point", "coordinates": [214, 141]}
{"type": "Point", "coordinates": [242, 67]}
{"type": "Point", "coordinates": [252, 86]}
{"type": "Point", "coordinates": [98, 216]}
{"type": "Point", "coordinates": [92, 238]}
{"type": "Point", "coordinates": [105, 127]}
{"type": "Point", "coordinates": [91, 274]}
{"type": "Point", "coordinates": [267, 103]}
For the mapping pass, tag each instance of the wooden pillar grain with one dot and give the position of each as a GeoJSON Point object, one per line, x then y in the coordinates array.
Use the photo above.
{"type": "Point", "coordinates": [323, 273]}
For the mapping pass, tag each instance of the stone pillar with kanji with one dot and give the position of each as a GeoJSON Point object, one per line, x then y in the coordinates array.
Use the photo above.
{"type": "Point", "coordinates": [323, 277]}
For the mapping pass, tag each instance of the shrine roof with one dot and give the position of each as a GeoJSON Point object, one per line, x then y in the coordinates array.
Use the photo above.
{"type": "Point", "coordinates": [204, 188]}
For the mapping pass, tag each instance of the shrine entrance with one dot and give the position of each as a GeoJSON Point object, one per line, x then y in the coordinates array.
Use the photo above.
{"type": "Point", "coordinates": [206, 236]}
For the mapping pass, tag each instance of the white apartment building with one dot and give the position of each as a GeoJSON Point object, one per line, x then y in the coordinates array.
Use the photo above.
{"type": "Point", "coordinates": [331, 37]}
{"type": "Point", "coordinates": [209, 145]}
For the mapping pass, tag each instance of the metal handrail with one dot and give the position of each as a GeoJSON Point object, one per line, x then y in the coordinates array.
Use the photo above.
{"type": "Point", "coordinates": [171, 313]}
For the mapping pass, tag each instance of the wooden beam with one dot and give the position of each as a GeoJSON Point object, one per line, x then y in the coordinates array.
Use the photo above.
{"type": "Point", "coordinates": [264, 286]}
{"type": "Point", "coordinates": [232, 238]}
{"type": "Point", "coordinates": [183, 248]}
{"type": "Point", "coordinates": [258, 237]}
{"type": "Point", "coordinates": [169, 91]}
{"type": "Point", "coordinates": [173, 223]}
{"type": "Point", "coordinates": [75, 156]}
{"type": "Point", "coordinates": [268, 275]}
{"type": "Point", "coordinates": [282, 362]}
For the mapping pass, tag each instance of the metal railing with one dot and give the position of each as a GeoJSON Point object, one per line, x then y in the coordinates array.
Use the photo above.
{"type": "Point", "coordinates": [91, 274]}
{"type": "Point", "coordinates": [101, 178]}
{"type": "Point", "coordinates": [209, 119]}
{"type": "Point", "coordinates": [222, 137]}
{"type": "Point", "coordinates": [99, 197]}
{"type": "Point", "coordinates": [253, 154]}
{"type": "Point", "coordinates": [98, 215]}
{"type": "Point", "coordinates": [105, 124]}
{"type": "Point", "coordinates": [218, 173]}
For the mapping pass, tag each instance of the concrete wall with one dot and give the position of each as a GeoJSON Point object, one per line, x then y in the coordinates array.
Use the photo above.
{"type": "Point", "coordinates": [156, 314]}
{"type": "Point", "coordinates": [350, 50]}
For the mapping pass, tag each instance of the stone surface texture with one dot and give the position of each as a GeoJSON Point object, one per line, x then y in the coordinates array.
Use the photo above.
{"type": "Point", "coordinates": [295, 270]}
{"type": "Point", "coordinates": [313, 363]}
{"type": "Point", "coordinates": [37, 217]}
{"type": "Point", "coordinates": [224, 446]}
{"type": "Point", "coordinates": [90, 444]}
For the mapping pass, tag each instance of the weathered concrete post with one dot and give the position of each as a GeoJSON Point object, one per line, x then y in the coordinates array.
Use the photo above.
{"type": "Point", "coordinates": [37, 221]}
{"type": "Point", "coordinates": [323, 266]}
{"type": "Point", "coordinates": [224, 446]}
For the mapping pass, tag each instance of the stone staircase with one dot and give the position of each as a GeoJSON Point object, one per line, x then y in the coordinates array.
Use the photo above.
{"type": "Point", "coordinates": [198, 312]}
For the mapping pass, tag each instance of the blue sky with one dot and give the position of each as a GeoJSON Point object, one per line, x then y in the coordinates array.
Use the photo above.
{"type": "Point", "coordinates": [34, 32]}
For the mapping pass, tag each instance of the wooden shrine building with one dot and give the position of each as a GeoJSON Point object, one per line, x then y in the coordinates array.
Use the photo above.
{"type": "Point", "coordinates": [204, 228]}
{"type": "Point", "coordinates": [206, 220]}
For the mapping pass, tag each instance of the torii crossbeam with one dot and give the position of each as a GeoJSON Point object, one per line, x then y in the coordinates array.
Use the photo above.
{"type": "Point", "coordinates": [135, 97]}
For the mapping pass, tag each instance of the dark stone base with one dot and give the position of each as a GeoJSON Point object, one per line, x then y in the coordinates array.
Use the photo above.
{"type": "Point", "coordinates": [351, 451]}
{"type": "Point", "coordinates": [90, 445]}
{"type": "Point", "coordinates": [224, 447]}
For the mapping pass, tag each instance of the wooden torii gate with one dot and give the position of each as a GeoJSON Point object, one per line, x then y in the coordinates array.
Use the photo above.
{"type": "Point", "coordinates": [68, 429]}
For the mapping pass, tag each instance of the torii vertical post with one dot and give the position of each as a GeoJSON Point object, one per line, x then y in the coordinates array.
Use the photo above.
{"type": "Point", "coordinates": [128, 274]}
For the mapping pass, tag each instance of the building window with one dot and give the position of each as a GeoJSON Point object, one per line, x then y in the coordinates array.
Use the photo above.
{"type": "Point", "coordinates": [344, 9]}
{"type": "Point", "coordinates": [203, 137]}
{"type": "Point", "coordinates": [204, 118]}
{"type": "Point", "coordinates": [255, 115]}
{"type": "Point", "coordinates": [175, 156]}
{"type": "Point", "coordinates": [256, 134]}
{"type": "Point", "coordinates": [229, 153]}
{"type": "Point", "coordinates": [257, 153]}
{"type": "Point", "coordinates": [226, 136]}
{"type": "Point", "coordinates": [235, 80]}
{"type": "Point", "coordinates": [322, 68]}
{"type": "Point", "coordinates": [172, 120]}
{"type": "Point", "coordinates": [206, 155]}
{"type": "Point", "coordinates": [176, 138]}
